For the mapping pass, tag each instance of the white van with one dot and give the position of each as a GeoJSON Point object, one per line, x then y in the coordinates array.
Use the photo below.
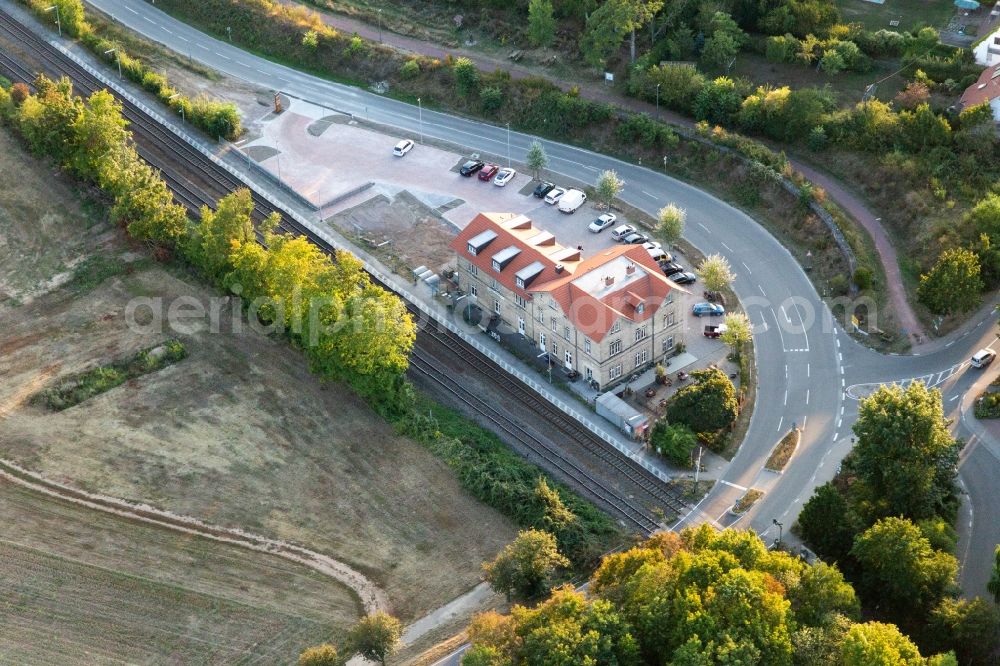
{"type": "Point", "coordinates": [983, 358]}
{"type": "Point", "coordinates": [571, 201]}
{"type": "Point", "coordinates": [658, 254]}
{"type": "Point", "coordinates": [621, 232]}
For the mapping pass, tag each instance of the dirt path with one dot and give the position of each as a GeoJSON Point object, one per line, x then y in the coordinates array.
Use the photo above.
{"type": "Point", "coordinates": [372, 597]}
{"type": "Point", "coordinates": [836, 190]}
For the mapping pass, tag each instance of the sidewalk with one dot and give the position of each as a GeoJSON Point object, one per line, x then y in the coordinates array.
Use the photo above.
{"type": "Point", "coordinates": [837, 191]}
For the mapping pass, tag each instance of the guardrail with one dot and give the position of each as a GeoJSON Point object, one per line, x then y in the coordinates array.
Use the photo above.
{"type": "Point", "coordinates": [372, 269]}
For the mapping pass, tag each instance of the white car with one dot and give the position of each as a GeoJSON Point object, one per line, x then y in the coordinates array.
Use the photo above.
{"type": "Point", "coordinates": [652, 245]}
{"type": "Point", "coordinates": [554, 195]}
{"type": "Point", "coordinates": [602, 223]}
{"type": "Point", "coordinates": [504, 177]}
{"type": "Point", "coordinates": [571, 201]}
{"type": "Point", "coordinates": [619, 233]}
{"type": "Point", "coordinates": [402, 148]}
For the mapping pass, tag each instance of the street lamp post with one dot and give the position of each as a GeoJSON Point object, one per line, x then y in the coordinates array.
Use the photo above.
{"type": "Point", "coordinates": [181, 107]}
{"type": "Point", "coordinates": [420, 110]}
{"type": "Point", "coordinates": [379, 25]}
{"type": "Point", "coordinates": [58, 22]}
{"type": "Point", "coordinates": [780, 525]}
{"type": "Point", "coordinates": [118, 58]}
{"type": "Point", "coordinates": [229, 31]}
{"type": "Point", "coordinates": [664, 163]}
{"type": "Point", "coordinates": [658, 99]}
{"type": "Point", "coordinates": [508, 145]}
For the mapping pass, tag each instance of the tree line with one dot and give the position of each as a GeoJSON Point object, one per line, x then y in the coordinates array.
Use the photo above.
{"type": "Point", "coordinates": [349, 328]}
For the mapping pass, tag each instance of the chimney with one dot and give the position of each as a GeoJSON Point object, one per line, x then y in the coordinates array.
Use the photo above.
{"type": "Point", "coordinates": [559, 268]}
{"type": "Point", "coordinates": [630, 269]}
{"type": "Point", "coordinates": [609, 280]}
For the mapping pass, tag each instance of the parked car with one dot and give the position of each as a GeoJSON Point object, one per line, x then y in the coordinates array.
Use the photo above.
{"type": "Point", "coordinates": [402, 148]}
{"type": "Point", "coordinates": [621, 232]}
{"type": "Point", "coordinates": [671, 268]}
{"type": "Point", "coordinates": [635, 238]}
{"type": "Point", "coordinates": [571, 201]}
{"type": "Point", "coordinates": [684, 277]}
{"type": "Point", "coordinates": [652, 245]}
{"type": "Point", "coordinates": [504, 177]}
{"type": "Point", "coordinates": [488, 171]}
{"type": "Point", "coordinates": [658, 255]}
{"type": "Point", "coordinates": [707, 310]}
{"type": "Point", "coordinates": [543, 188]}
{"type": "Point", "coordinates": [471, 167]}
{"type": "Point", "coordinates": [602, 223]}
{"type": "Point", "coordinates": [983, 358]}
{"type": "Point", "coordinates": [554, 195]}
{"type": "Point", "coordinates": [715, 330]}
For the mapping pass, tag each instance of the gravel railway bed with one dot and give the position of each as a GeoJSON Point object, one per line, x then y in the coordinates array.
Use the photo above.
{"type": "Point", "coordinates": [197, 181]}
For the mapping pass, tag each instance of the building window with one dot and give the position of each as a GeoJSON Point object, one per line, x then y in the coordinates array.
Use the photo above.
{"type": "Point", "coordinates": [473, 269]}
{"type": "Point", "coordinates": [615, 348]}
{"type": "Point", "coordinates": [519, 300]}
{"type": "Point", "coordinates": [641, 357]}
{"type": "Point", "coordinates": [519, 282]}
{"type": "Point", "coordinates": [568, 357]}
{"type": "Point", "coordinates": [668, 344]}
{"type": "Point", "coordinates": [555, 348]}
{"type": "Point", "coordinates": [496, 266]}
{"type": "Point", "coordinates": [553, 323]}
{"type": "Point", "coordinates": [473, 290]}
{"type": "Point", "coordinates": [496, 307]}
{"type": "Point", "coordinates": [566, 332]}
{"type": "Point", "coordinates": [669, 319]}
{"type": "Point", "coordinates": [640, 333]}
{"type": "Point", "coordinates": [540, 316]}
{"type": "Point", "coordinates": [617, 327]}
{"type": "Point", "coordinates": [670, 298]}
{"type": "Point", "coordinates": [640, 308]}
{"type": "Point", "coordinates": [586, 345]}
{"type": "Point", "coordinates": [472, 249]}
{"type": "Point", "coordinates": [616, 372]}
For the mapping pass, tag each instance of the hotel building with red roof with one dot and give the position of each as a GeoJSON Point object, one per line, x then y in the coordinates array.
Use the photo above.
{"type": "Point", "coordinates": [607, 316]}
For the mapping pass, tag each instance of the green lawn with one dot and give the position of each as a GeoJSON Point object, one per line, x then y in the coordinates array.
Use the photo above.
{"type": "Point", "coordinates": [909, 13]}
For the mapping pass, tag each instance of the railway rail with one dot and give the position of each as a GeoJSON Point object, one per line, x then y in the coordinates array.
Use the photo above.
{"type": "Point", "coordinates": [197, 181]}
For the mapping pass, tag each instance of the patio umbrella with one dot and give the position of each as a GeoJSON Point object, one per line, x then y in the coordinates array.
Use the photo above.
{"type": "Point", "coordinates": [967, 4]}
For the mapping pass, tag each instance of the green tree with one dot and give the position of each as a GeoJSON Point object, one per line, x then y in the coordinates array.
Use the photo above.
{"type": "Point", "coordinates": [827, 523]}
{"type": "Point", "coordinates": [321, 655]}
{"type": "Point", "coordinates": [820, 646]}
{"type": "Point", "coordinates": [739, 331]}
{"type": "Point", "coordinates": [466, 76]}
{"type": "Point", "coordinates": [536, 160]}
{"type": "Point", "coordinates": [719, 51]}
{"type": "Point", "coordinates": [375, 637]}
{"type": "Point", "coordinates": [706, 405]}
{"type": "Point", "coordinates": [832, 62]}
{"type": "Point", "coordinates": [218, 230]}
{"type": "Point", "coordinates": [310, 40]}
{"type": "Point", "coordinates": [143, 202]}
{"type": "Point", "coordinates": [541, 22]}
{"type": "Point", "coordinates": [673, 442]}
{"type": "Point", "coordinates": [967, 627]}
{"type": "Point", "coordinates": [904, 452]}
{"type": "Point", "coordinates": [670, 223]}
{"type": "Point", "coordinates": [878, 644]}
{"type": "Point", "coordinates": [953, 284]}
{"type": "Point", "coordinates": [900, 568]}
{"type": "Point", "coordinates": [97, 130]}
{"type": "Point", "coordinates": [717, 101]}
{"type": "Point", "coordinates": [608, 187]}
{"type": "Point", "coordinates": [821, 594]}
{"type": "Point", "coordinates": [46, 118]}
{"type": "Point", "coordinates": [72, 17]}
{"type": "Point", "coordinates": [608, 25]}
{"type": "Point", "coordinates": [983, 221]}
{"type": "Point", "coordinates": [993, 586]}
{"type": "Point", "coordinates": [715, 272]}
{"type": "Point", "coordinates": [526, 565]}
{"type": "Point", "coordinates": [922, 129]}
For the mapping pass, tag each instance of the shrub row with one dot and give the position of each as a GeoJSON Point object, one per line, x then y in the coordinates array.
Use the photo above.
{"type": "Point", "coordinates": [215, 118]}
{"type": "Point", "coordinates": [103, 378]}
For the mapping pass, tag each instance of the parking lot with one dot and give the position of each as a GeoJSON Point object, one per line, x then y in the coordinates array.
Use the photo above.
{"type": "Point", "coordinates": [328, 159]}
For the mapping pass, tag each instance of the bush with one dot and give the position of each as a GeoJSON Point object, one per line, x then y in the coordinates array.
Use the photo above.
{"type": "Point", "coordinates": [988, 406]}
{"type": "Point", "coordinates": [491, 98]}
{"type": "Point", "coordinates": [673, 442]}
{"type": "Point", "coordinates": [706, 406]}
{"type": "Point", "coordinates": [410, 69]}
{"type": "Point", "coordinates": [466, 77]}
{"type": "Point", "coordinates": [783, 48]}
{"type": "Point", "coordinates": [153, 82]}
{"type": "Point", "coordinates": [863, 278]}
{"type": "Point", "coordinates": [217, 119]}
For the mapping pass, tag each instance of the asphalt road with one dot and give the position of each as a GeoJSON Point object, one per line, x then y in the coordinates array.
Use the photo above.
{"type": "Point", "coordinates": [805, 361]}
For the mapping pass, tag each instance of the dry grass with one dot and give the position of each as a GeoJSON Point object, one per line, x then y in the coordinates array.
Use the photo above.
{"type": "Point", "coordinates": [80, 581]}
{"type": "Point", "coordinates": [238, 434]}
{"type": "Point", "coordinates": [783, 451]}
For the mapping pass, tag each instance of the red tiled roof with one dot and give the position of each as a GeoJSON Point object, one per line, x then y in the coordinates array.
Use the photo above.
{"type": "Point", "coordinates": [985, 89]}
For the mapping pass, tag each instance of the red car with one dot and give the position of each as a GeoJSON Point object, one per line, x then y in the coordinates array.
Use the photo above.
{"type": "Point", "coordinates": [488, 172]}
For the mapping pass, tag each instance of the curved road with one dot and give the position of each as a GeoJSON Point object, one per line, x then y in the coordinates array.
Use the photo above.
{"type": "Point", "coordinates": [805, 361]}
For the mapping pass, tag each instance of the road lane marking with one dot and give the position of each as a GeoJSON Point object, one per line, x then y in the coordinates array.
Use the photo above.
{"type": "Point", "coordinates": [762, 291]}
{"type": "Point", "coordinates": [780, 421]}
{"type": "Point", "coordinates": [949, 344]}
{"type": "Point", "coordinates": [150, 20]}
{"type": "Point", "coordinates": [786, 397]}
{"type": "Point", "coordinates": [727, 247]}
{"type": "Point", "coordinates": [131, 10]}
{"type": "Point", "coordinates": [202, 46]}
{"type": "Point", "coordinates": [807, 371]}
{"type": "Point", "coordinates": [651, 196]}
{"type": "Point", "coordinates": [953, 399]}
{"type": "Point", "coordinates": [242, 64]}
{"type": "Point", "coordinates": [804, 419]}
{"type": "Point", "coordinates": [167, 30]}
{"type": "Point", "coordinates": [778, 324]}
{"type": "Point", "coordinates": [222, 56]}
{"type": "Point", "coordinates": [838, 424]}
{"type": "Point", "coordinates": [733, 485]}
{"type": "Point", "coordinates": [807, 396]}
{"type": "Point", "coordinates": [704, 227]}
{"type": "Point", "coordinates": [184, 39]}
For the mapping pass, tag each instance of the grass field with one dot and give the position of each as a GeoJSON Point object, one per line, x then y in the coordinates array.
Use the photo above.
{"type": "Point", "coordinates": [238, 434]}
{"type": "Point", "coordinates": [909, 13]}
{"type": "Point", "coordinates": [80, 586]}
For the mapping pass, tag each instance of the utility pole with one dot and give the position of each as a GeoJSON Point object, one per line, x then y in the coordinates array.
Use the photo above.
{"type": "Point", "coordinates": [697, 470]}
{"type": "Point", "coordinates": [658, 100]}
{"type": "Point", "coordinates": [508, 162]}
{"type": "Point", "coordinates": [58, 22]}
{"type": "Point", "coordinates": [181, 107]}
{"type": "Point", "coordinates": [229, 31]}
{"type": "Point", "coordinates": [118, 58]}
{"type": "Point", "coordinates": [780, 525]}
{"type": "Point", "coordinates": [420, 110]}
{"type": "Point", "coordinates": [379, 25]}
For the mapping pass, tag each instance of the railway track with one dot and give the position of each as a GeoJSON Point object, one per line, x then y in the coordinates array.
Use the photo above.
{"type": "Point", "coordinates": [197, 181]}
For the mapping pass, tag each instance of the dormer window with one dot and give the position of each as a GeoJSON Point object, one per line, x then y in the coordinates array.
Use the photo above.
{"type": "Point", "coordinates": [520, 283]}
{"type": "Point", "coordinates": [639, 308]}
{"type": "Point", "coordinates": [472, 249]}
{"type": "Point", "coordinates": [496, 265]}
